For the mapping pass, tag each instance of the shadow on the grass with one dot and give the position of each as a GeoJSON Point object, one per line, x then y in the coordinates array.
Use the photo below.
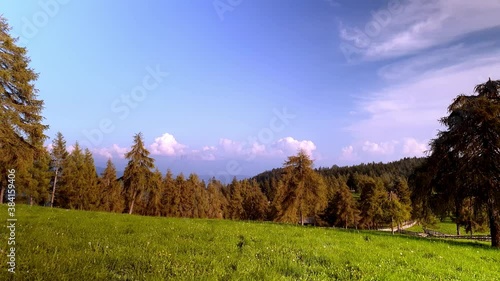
{"type": "Point", "coordinates": [454, 242]}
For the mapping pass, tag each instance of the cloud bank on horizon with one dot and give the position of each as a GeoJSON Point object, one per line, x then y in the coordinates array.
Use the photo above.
{"type": "Point", "coordinates": [166, 145]}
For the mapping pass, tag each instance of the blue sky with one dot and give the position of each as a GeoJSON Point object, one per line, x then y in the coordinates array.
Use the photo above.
{"type": "Point", "coordinates": [233, 87]}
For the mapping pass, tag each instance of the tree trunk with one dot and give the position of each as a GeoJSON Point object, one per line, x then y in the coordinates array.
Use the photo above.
{"type": "Point", "coordinates": [131, 209]}
{"type": "Point", "coordinates": [31, 200]}
{"type": "Point", "coordinates": [2, 190]}
{"type": "Point", "coordinates": [458, 229]}
{"type": "Point", "coordinates": [494, 217]}
{"type": "Point", "coordinates": [392, 225]}
{"type": "Point", "coordinates": [53, 190]}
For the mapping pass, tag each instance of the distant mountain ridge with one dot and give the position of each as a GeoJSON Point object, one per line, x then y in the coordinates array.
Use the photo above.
{"type": "Point", "coordinates": [403, 167]}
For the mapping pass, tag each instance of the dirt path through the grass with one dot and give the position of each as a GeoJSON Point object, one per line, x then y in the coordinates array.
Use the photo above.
{"type": "Point", "coordinates": [403, 227]}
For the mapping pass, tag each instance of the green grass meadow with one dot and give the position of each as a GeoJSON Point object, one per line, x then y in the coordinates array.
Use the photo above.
{"type": "Point", "coordinates": [56, 244]}
{"type": "Point", "coordinates": [447, 227]}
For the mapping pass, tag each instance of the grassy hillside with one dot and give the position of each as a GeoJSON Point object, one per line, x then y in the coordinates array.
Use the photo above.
{"type": "Point", "coordinates": [54, 244]}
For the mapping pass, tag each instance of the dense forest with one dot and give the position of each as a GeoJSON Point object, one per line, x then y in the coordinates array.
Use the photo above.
{"type": "Point", "coordinates": [459, 178]}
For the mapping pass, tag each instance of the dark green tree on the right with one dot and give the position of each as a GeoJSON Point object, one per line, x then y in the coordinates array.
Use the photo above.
{"type": "Point", "coordinates": [470, 148]}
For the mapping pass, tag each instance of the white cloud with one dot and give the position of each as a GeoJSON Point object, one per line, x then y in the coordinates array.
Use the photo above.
{"type": "Point", "coordinates": [424, 84]}
{"type": "Point", "coordinates": [225, 149]}
{"type": "Point", "coordinates": [207, 153]}
{"type": "Point", "coordinates": [232, 147]}
{"type": "Point", "coordinates": [257, 149]}
{"type": "Point", "coordinates": [290, 146]}
{"type": "Point", "coordinates": [414, 106]}
{"type": "Point", "coordinates": [111, 152]}
{"type": "Point", "coordinates": [420, 64]}
{"type": "Point", "coordinates": [120, 151]}
{"type": "Point", "coordinates": [282, 147]}
{"type": "Point", "coordinates": [412, 147]}
{"type": "Point", "coordinates": [104, 152]}
{"type": "Point", "coordinates": [368, 151]}
{"type": "Point", "coordinates": [386, 148]}
{"type": "Point", "coordinates": [209, 148]}
{"type": "Point", "coordinates": [348, 154]}
{"type": "Point", "coordinates": [167, 145]}
{"type": "Point", "coordinates": [418, 25]}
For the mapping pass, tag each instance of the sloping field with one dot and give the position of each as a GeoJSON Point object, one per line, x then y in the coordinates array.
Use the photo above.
{"type": "Point", "coordinates": [55, 244]}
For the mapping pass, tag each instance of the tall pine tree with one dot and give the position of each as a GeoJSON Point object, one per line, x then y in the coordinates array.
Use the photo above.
{"type": "Point", "coordinates": [154, 194]}
{"type": "Point", "coordinates": [137, 172]}
{"type": "Point", "coordinates": [34, 180]}
{"type": "Point", "coordinates": [172, 197]}
{"type": "Point", "coordinates": [21, 128]}
{"type": "Point", "coordinates": [302, 193]}
{"type": "Point", "coordinates": [58, 155]}
{"type": "Point", "coordinates": [373, 198]}
{"type": "Point", "coordinates": [110, 190]}
{"type": "Point", "coordinates": [73, 183]}
{"type": "Point", "coordinates": [345, 208]}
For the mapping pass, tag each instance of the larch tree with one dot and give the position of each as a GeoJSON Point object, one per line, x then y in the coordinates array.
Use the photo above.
{"type": "Point", "coordinates": [200, 197]}
{"type": "Point", "coordinates": [398, 205]}
{"type": "Point", "coordinates": [235, 199]}
{"type": "Point", "coordinates": [217, 202]}
{"type": "Point", "coordinates": [21, 129]}
{"type": "Point", "coordinates": [137, 172]}
{"type": "Point", "coordinates": [35, 180]}
{"type": "Point", "coordinates": [79, 181]}
{"type": "Point", "coordinates": [58, 155]}
{"type": "Point", "coordinates": [179, 197]}
{"type": "Point", "coordinates": [90, 193]}
{"type": "Point", "coordinates": [330, 213]}
{"type": "Point", "coordinates": [255, 203]}
{"type": "Point", "coordinates": [372, 202]}
{"type": "Point", "coordinates": [302, 192]}
{"type": "Point", "coordinates": [394, 210]}
{"type": "Point", "coordinates": [186, 189]}
{"type": "Point", "coordinates": [110, 190]}
{"type": "Point", "coordinates": [73, 183]}
{"type": "Point", "coordinates": [345, 208]}
{"type": "Point", "coordinates": [172, 196]}
{"type": "Point", "coordinates": [154, 194]}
